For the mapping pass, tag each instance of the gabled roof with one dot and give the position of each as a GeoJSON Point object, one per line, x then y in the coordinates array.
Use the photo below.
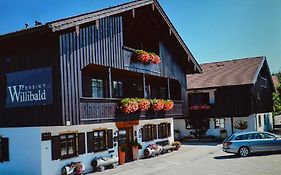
{"type": "Point", "coordinates": [92, 16]}
{"type": "Point", "coordinates": [227, 73]}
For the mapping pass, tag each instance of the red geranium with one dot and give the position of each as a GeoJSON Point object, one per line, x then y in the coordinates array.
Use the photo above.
{"type": "Point", "coordinates": [143, 104]}
{"type": "Point", "coordinates": [168, 105]}
{"type": "Point", "coordinates": [143, 56]}
{"type": "Point", "coordinates": [157, 105]}
{"type": "Point", "coordinates": [155, 58]}
{"type": "Point", "coordinates": [129, 105]}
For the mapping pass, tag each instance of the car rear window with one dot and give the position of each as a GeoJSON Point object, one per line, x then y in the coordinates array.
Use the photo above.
{"type": "Point", "coordinates": [229, 138]}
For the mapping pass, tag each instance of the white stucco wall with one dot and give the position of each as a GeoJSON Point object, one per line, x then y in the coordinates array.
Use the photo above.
{"type": "Point", "coordinates": [269, 123]}
{"type": "Point", "coordinates": [181, 126]}
{"type": "Point", "coordinates": [24, 151]}
{"type": "Point", "coordinates": [54, 167]}
{"type": "Point", "coordinates": [155, 121]}
{"type": "Point", "coordinates": [31, 156]}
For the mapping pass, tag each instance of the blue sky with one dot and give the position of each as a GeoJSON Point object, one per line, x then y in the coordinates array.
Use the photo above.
{"type": "Point", "coordinates": [214, 30]}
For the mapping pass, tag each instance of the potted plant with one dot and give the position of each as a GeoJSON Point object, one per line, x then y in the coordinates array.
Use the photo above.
{"type": "Point", "coordinates": [154, 58]}
{"type": "Point", "coordinates": [135, 147]}
{"type": "Point", "coordinates": [142, 56]}
{"type": "Point", "coordinates": [177, 134]}
{"type": "Point", "coordinates": [177, 144]}
{"type": "Point", "coordinates": [168, 105]}
{"type": "Point", "coordinates": [157, 104]}
{"type": "Point", "coordinates": [129, 105]}
{"type": "Point", "coordinates": [223, 134]}
{"type": "Point", "coordinates": [143, 104]}
{"type": "Point", "coordinates": [122, 154]}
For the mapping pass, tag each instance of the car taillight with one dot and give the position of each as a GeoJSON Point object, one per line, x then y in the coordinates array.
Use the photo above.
{"type": "Point", "coordinates": [227, 143]}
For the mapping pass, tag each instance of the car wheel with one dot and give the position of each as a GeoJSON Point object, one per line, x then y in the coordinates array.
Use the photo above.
{"type": "Point", "coordinates": [244, 151]}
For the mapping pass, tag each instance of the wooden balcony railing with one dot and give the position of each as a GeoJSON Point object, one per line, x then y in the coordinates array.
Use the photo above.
{"type": "Point", "coordinates": [102, 110]}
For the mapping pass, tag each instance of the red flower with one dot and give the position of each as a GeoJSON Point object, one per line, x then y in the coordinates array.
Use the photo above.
{"type": "Point", "coordinates": [143, 104]}
{"type": "Point", "coordinates": [155, 58]}
{"type": "Point", "coordinates": [168, 105]}
{"type": "Point", "coordinates": [143, 56]}
{"type": "Point", "coordinates": [157, 105]}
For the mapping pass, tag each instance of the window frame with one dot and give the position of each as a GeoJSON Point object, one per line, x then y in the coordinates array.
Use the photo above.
{"type": "Point", "coordinates": [259, 120]}
{"type": "Point", "coordinates": [149, 135]}
{"type": "Point", "coordinates": [119, 90]}
{"type": "Point", "coordinates": [75, 148]}
{"type": "Point", "coordinates": [105, 139]}
{"type": "Point", "coordinates": [99, 89]}
{"type": "Point", "coordinates": [221, 125]}
{"type": "Point", "coordinates": [164, 130]}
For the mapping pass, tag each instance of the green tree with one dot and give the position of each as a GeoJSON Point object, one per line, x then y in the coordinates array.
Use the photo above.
{"type": "Point", "coordinates": [277, 96]}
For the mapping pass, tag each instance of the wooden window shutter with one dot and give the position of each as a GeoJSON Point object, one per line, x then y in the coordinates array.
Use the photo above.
{"type": "Point", "coordinates": [81, 143]}
{"type": "Point", "coordinates": [154, 132]}
{"type": "Point", "coordinates": [5, 149]}
{"type": "Point", "coordinates": [90, 142]}
{"type": "Point", "coordinates": [169, 129]}
{"type": "Point", "coordinates": [109, 138]}
{"type": "Point", "coordinates": [55, 147]}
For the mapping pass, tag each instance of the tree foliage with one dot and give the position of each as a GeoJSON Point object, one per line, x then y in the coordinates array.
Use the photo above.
{"type": "Point", "coordinates": [277, 96]}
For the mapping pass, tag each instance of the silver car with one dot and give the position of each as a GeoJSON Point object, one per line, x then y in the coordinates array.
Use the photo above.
{"type": "Point", "coordinates": [246, 143]}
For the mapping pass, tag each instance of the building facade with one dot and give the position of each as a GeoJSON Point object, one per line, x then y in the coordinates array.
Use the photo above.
{"type": "Point", "coordinates": [62, 83]}
{"type": "Point", "coordinates": [233, 95]}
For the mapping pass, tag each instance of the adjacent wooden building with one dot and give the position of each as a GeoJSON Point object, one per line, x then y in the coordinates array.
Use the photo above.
{"type": "Point", "coordinates": [235, 95]}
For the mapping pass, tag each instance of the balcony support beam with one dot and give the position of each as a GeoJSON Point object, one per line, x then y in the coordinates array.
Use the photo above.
{"type": "Point", "coordinates": [109, 83]}
{"type": "Point", "coordinates": [168, 88]}
{"type": "Point", "coordinates": [143, 85]}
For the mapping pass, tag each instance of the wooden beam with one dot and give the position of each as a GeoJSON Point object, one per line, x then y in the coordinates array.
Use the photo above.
{"type": "Point", "coordinates": [143, 84]}
{"type": "Point", "coordinates": [153, 7]}
{"type": "Point", "coordinates": [109, 83]}
{"type": "Point", "coordinates": [168, 88]}
{"type": "Point", "coordinates": [77, 30]}
{"type": "Point", "coordinates": [133, 12]}
{"type": "Point", "coordinates": [97, 24]}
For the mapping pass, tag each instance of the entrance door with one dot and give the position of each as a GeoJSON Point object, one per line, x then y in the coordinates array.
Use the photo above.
{"type": "Point", "coordinates": [125, 137]}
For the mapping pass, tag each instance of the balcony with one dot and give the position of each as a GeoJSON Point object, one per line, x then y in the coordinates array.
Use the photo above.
{"type": "Point", "coordinates": [105, 110]}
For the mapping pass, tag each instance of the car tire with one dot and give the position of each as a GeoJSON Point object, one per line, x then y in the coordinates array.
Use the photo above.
{"type": "Point", "coordinates": [244, 151]}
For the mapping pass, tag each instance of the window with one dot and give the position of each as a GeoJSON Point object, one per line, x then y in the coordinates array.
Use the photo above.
{"type": "Point", "coordinates": [147, 91]}
{"type": "Point", "coordinates": [163, 92]}
{"type": "Point", "coordinates": [267, 136]}
{"type": "Point", "coordinates": [265, 118]}
{"type": "Point", "coordinates": [4, 149]}
{"type": "Point", "coordinates": [164, 130]}
{"type": "Point", "coordinates": [117, 89]}
{"type": "Point", "coordinates": [220, 123]}
{"type": "Point", "coordinates": [248, 136]}
{"type": "Point", "coordinates": [149, 132]}
{"type": "Point", "coordinates": [97, 88]}
{"type": "Point", "coordinates": [68, 145]}
{"type": "Point", "coordinates": [259, 120]}
{"type": "Point", "coordinates": [99, 140]}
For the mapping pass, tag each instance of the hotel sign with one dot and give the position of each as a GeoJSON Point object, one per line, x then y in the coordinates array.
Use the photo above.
{"type": "Point", "coordinates": [29, 88]}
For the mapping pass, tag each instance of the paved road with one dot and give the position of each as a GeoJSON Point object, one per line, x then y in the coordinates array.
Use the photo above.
{"type": "Point", "coordinates": [198, 159]}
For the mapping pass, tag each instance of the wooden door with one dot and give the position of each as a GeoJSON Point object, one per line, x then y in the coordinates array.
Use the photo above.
{"type": "Point", "coordinates": [125, 137]}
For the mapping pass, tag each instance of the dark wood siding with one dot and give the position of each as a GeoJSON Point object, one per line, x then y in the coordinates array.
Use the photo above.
{"type": "Point", "coordinates": [96, 44]}
{"type": "Point", "coordinates": [30, 51]}
{"type": "Point", "coordinates": [233, 101]}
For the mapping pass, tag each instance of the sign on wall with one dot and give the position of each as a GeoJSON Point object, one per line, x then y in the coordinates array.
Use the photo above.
{"type": "Point", "coordinates": [29, 88]}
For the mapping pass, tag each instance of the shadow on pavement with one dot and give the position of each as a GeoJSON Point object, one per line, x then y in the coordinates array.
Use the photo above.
{"type": "Point", "coordinates": [233, 156]}
{"type": "Point", "coordinates": [200, 143]}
